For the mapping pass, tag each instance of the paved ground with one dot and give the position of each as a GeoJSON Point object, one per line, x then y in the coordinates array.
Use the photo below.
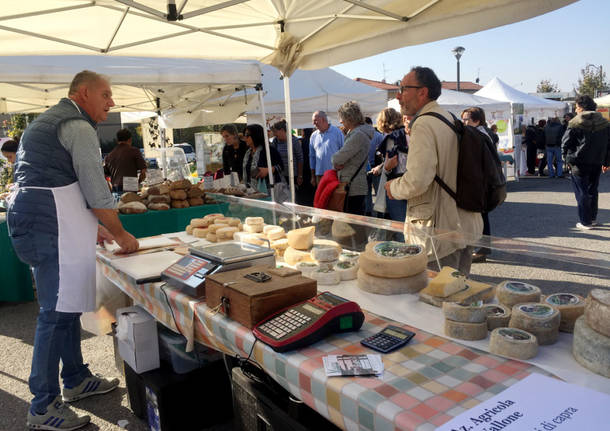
{"type": "Point", "coordinates": [538, 210]}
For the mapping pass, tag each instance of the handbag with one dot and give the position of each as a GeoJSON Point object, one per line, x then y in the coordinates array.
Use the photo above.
{"type": "Point", "coordinates": [338, 200]}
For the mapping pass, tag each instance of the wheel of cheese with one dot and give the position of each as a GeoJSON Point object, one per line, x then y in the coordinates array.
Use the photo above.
{"type": "Point", "coordinates": [253, 228]}
{"type": "Point", "coordinates": [252, 221]}
{"type": "Point", "coordinates": [301, 239]}
{"type": "Point", "coordinates": [222, 220]}
{"type": "Point", "coordinates": [347, 270]}
{"type": "Point", "coordinates": [597, 311]}
{"type": "Point", "coordinates": [590, 348]}
{"type": "Point", "coordinates": [268, 227]}
{"type": "Point", "coordinates": [323, 253]}
{"type": "Point", "coordinates": [465, 331]}
{"type": "Point", "coordinates": [447, 282]}
{"type": "Point", "coordinates": [307, 268]}
{"type": "Point", "coordinates": [474, 313]}
{"type": "Point", "coordinates": [292, 256]}
{"type": "Point", "coordinates": [200, 232]}
{"type": "Point", "coordinates": [211, 237]}
{"type": "Point", "coordinates": [327, 243]}
{"type": "Point", "coordinates": [213, 228]}
{"type": "Point", "coordinates": [279, 244]}
{"type": "Point", "coordinates": [498, 316]}
{"type": "Point", "coordinates": [275, 233]}
{"type": "Point", "coordinates": [512, 293]}
{"type": "Point", "coordinates": [391, 259]}
{"type": "Point", "coordinates": [570, 307]}
{"type": "Point", "coordinates": [392, 286]}
{"type": "Point", "coordinates": [539, 319]}
{"type": "Point", "coordinates": [200, 222]}
{"type": "Point", "coordinates": [233, 221]}
{"type": "Point", "coordinates": [327, 277]}
{"type": "Point", "coordinates": [189, 230]}
{"type": "Point", "coordinates": [349, 256]}
{"type": "Point", "coordinates": [513, 342]}
{"type": "Point", "coordinates": [213, 216]}
{"type": "Point", "coordinates": [226, 232]}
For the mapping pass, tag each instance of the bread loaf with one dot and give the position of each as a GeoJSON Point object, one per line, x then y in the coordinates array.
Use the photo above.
{"type": "Point", "coordinates": [177, 195]}
{"type": "Point", "coordinates": [180, 185]}
{"type": "Point", "coordinates": [180, 204]}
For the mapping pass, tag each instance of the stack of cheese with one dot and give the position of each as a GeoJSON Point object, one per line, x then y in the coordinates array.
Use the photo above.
{"type": "Point", "coordinates": [513, 342]}
{"type": "Point", "coordinates": [450, 285]}
{"type": "Point", "coordinates": [214, 227]}
{"type": "Point", "coordinates": [498, 316]}
{"type": "Point", "coordinates": [326, 254]}
{"type": "Point", "coordinates": [392, 268]}
{"type": "Point", "coordinates": [300, 242]}
{"type": "Point", "coordinates": [538, 319]}
{"type": "Point", "coordinates": [591, 345]}
{"type": "Point", "coordinates": [252, 232]}
{"type": "Point", "coordinates": [511, 293]}
{"type": "Point", "coordinates": [465, 322]}
{"type": "Point", "coordinates": [570, 307]}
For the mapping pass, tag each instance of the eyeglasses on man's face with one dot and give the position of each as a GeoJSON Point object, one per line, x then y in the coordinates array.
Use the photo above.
{"type": "Point", "coordinates": [403, 88]}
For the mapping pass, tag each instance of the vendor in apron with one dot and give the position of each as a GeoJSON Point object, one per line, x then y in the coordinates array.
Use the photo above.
{"type": "Point", "coordinates": [54, 217]}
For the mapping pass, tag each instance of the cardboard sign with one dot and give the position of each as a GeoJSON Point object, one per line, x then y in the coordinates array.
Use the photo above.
{"type": "Point", "coordinates": [537, 403]}
{"type": "Point", "coordinates": [130, 184]}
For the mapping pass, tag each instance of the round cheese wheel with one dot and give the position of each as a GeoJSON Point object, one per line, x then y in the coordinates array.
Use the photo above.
{"type": "Point", "coordinates": [293, 256]}
{"type": "Point", "coordinates": [539, 319]}
{"type": "Point", "coordinates": [349, 256]}
{"type": "Point", "coordinates": [391, 259]}
{"type": "Point", "coordinates": [213, 228]}
{"type": "Point", "coordinates": [200, 222]}
{"type": "Point", "coordinates": [475, 313]}
{"type": "Point", "coordinates": [233, 221]}
{"type": "Point", "coordinates": [570, 307]}
{"type": "Point", "coordinates": [189, 230]}
{"type": "Point", "coordinates": [327, 265]}
{"type": "Point", "coordinates": [200, 232]}
{"type": "Point", "coordinates": [512, 293]}
{"type": "Point", "coordinates": [301, 239]}
{"type": "Point", "coordinates": [221, 220]}
{"type": "Point", "coordinates": [323, 253]}
{"type": "Point", "coordinates": [279, 244]}
{"type": "Point", "coordinates": [392, 286]}
{"type": "Point", "coordinates": [211, 237]}
{"type": "Point", "coordinates": [326, 276]}
{"type": "Point", "coordinates": [307, 268]}
{"type": "Point", "coordinates": [513, 342]}
{"type": "Point", "coordinates": [226, 232]}
{"type": "Point", "coordinates": [347, 270]}
{"type": "Point", "coordinates": [327, 243]}
{"type": "Point", "coordinates": [273, 234]}
{"type": "Point", "coordinates": [498, 316]}
{"type": "Point", "coordinates": [255, 221]}
{"type": "Point", "coordinates": [213, 216]}
{"type": "Point", "coordinates": [465, 331]}
{"type": "Point", "coordinates": [268, 227]}
{"type": "Point", "coordinates": [590, 348]}
{"type": "Point", "coordinates": [597, 311]}
{"type": "Point", "coordinates": [253, 228]}
{"type": "Point", "coordinates": [254, 238]}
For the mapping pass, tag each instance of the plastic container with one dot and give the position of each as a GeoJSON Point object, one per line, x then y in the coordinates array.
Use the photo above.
{"type": "Point", "coordinates": [172, 349]}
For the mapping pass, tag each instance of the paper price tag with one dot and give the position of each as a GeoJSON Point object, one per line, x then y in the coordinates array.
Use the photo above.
{"type": "Point", "coordinates": [208, 182]}
{"type": "Point", "coordinates": [130, 184]}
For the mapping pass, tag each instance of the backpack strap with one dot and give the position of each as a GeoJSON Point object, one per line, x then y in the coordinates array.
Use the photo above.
{"type": "Point", "coordinates": [457, 132]}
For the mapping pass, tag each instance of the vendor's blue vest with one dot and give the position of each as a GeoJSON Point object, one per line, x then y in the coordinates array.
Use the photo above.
{"type": "Point", "coordinates": [42, 161]}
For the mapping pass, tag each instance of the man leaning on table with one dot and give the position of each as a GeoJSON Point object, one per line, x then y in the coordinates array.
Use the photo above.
{"type": "Point", "coordinates": [54, 221]}
{"type": "Point", "coordinates": [433, 150]}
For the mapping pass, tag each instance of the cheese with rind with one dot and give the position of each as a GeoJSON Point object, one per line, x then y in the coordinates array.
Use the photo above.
{"type": "Point", "coordinates": [226, 232]}
{"type": "Point", "coordinates": [570, 306]}
{"type": "Point", "coordinates": [307, 268]}
{"type": "Point", "coordinates": [465, 331]}
{"type": "Point", "coordinates": [292, 256]}
{"type": "Point", "coordinates": [464, 313]}
{"type": "Point", "coordinates": [392, 286]}
{"type": "Point", "coordinates": [448, 282]}
{"type": "Point", "coordinates": [513, 342]}
{"type": "Point", "coordinates": [347, 270]}
{"type": "Point", "coordinates": [511, 293]}
{"type": "Point", "coordinates": [200, 232]}
{"type": "Point", "coordinates": [301, 239]}
{"type": "Point", "coordinates": [253, 228]}
{"type": "Point", "coordinates": [498, 316]}
{"type": "Point", "coordinates": [349, 256]}
{"type": "Point", "coordinates": [323, 253]}
{"type": "Point", "coordinates": [254, 221]}
{"type": "Point", "coordinates": [539, 319]}
{"type": "Point", "coordinates": [327, 277]}
{"type": "Point", "coordinates": [597, 311]}
{"type": "Point", "coordinates": [392, 259]}
{"type": "Point", "coordinates": [590, 348]}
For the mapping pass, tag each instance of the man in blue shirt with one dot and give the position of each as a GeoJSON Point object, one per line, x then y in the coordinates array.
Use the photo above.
{"type": "Point", "coordinates": [324, 142]}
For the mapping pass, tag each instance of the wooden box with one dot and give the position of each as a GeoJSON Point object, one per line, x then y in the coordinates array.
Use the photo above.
{"type": "Point", "coordinates": [247, 301]}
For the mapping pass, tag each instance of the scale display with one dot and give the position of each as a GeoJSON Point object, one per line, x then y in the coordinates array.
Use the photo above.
{"type": "Point", "coordinates": [188, 274]}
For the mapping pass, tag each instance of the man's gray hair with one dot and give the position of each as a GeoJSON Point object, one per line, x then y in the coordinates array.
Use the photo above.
{"type": "Point", "coordinates": [321, 114]}
{"type": "Point", "coordinates": [86, 77]}
{"type": "Point", "coordinates": [350, 111]}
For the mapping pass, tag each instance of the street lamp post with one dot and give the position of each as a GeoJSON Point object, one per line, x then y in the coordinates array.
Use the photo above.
{"type": "Point", "coordinates": [458, 51]}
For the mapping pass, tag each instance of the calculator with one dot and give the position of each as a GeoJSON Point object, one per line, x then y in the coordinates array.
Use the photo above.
{"type": "Point", "coordinates": [308, 322]}
{"type": "Point", "coordinates": [388, 339]}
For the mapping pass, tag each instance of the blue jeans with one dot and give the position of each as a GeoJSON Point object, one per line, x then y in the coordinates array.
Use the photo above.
{"type": "Point", "coordinates": [585, 181]}
{"type": "Point", "coordinates": [553, 154]}
{"type": "Point", "coordinates": [397, 210]}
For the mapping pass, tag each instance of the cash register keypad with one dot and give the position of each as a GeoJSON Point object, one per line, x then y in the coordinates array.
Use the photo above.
{"type": "Point", "coordinates": [285, 324]}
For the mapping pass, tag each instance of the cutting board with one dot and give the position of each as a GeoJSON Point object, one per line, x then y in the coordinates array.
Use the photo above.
{"type": "Point", "coordinates": [146, 268]}
{"type": "Point", "coordinates": [145, 243]}
{"type": "Point", "coordinates": [475, 291]}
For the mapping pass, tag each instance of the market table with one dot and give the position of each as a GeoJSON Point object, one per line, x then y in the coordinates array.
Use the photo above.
{"type": "Point", "coordinates": [16, 285]}
{"type": "Point", "coordinates": [424, 385]}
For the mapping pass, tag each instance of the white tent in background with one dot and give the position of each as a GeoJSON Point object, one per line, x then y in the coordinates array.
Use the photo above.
{"type": "Point", "coordinates": [312, 90]}
{"type": "Point", "coordinates": [533, 107]}
{"type": "Point", "coordinates": [603, 102]}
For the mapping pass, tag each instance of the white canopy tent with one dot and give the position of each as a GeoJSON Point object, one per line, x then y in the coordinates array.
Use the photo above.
{"type": "Point", "coordinates": [288, 34]}
{"type": "Point", "coordinates": [603, 102]}
{"type": "Point", "coordinates": [312, 90]}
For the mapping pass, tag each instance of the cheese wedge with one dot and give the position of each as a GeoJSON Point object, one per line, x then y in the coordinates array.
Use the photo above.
{"type": "Point", "coordinates": [447, 282]}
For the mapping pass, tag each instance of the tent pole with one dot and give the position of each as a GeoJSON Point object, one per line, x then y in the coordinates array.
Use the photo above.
{"type": "Point", "coordinates": [289, 136]}
{"type": "Point", "coordinates": [268, 153]}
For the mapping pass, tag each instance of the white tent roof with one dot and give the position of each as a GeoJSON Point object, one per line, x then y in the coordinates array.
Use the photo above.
{"type": "Point", "coordinates": [32, 84]}
{"type": "Point", "coordinates": [290, 34]}
{"type": "Point", "coordinates": [312, 90]}
{"type": "Point", "coordinates": [456, 101]}
{"type": "Point", "coordinates": [499, 90]}
{"type": "Point", "coordinates": [603, 102]}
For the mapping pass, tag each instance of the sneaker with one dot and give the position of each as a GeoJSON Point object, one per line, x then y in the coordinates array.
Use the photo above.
{"type": "Point", "coordinates": [583, 227]}
{"type": "Point", "coordinates": [58, 417]}
{"type": "Point", "coordinates": [93, 385]}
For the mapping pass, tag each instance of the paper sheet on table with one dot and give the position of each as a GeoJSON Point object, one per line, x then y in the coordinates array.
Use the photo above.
{"type": "Point", "coordinates": [145, 243]}
{"type": "Point", "coordinates": [145, 267]}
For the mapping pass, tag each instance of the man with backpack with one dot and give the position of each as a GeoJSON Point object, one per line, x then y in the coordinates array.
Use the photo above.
{"type": "Point", "coordinates": [552, 136]}
{"type": "Point", "coordinates": [433, 151]}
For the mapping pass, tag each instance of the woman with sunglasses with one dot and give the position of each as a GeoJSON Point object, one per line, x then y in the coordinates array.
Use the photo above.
{"type": "Point", "coordinates": [255, 168]}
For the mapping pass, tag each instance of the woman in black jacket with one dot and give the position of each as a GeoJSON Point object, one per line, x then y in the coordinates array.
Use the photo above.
{"type": "Point", "coordinates": [255, 170]}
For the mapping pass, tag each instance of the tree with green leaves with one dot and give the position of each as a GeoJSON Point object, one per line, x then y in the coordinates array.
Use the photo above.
{"type": "Point", "coordinates": [592, 82]}
{"type": "Point", "coordinates": [546, 86]}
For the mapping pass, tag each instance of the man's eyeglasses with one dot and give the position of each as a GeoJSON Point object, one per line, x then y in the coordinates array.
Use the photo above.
{"type": "Point", "coordinates": [404, 87]}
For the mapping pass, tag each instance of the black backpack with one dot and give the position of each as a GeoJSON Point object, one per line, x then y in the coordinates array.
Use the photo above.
{"type": "Point", "coordinates": [481, 185]}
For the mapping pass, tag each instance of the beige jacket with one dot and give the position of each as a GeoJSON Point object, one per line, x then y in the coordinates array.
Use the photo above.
{"type": "Point", "coordinates": [433, 149]}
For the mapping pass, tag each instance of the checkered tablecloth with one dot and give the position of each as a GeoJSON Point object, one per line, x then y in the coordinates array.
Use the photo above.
{"type": "Point", "coordinates": [425, 384]}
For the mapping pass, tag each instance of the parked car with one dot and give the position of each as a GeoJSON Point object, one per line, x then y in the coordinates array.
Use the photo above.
{"type": "Point", "coordinates": [189, 151]}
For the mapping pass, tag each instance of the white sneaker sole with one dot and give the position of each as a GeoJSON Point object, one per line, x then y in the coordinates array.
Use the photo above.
{"type": "Point", "coordinates": [87, 395]}
{"type": "Point", "coordinates": [50, 428]}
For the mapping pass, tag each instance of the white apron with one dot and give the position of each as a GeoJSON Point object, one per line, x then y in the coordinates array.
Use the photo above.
{"type": "Point", "coordinates": [76, 236]}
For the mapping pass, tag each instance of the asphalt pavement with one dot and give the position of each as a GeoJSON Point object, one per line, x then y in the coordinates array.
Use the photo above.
{"type": "Point", "coordinates": [538, 211]}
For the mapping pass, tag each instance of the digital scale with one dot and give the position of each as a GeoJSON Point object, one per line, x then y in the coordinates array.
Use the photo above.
{"type": "Point", "coordinates": [188, 273]}
{"type": "Point", "coordinates": [309, 322]}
